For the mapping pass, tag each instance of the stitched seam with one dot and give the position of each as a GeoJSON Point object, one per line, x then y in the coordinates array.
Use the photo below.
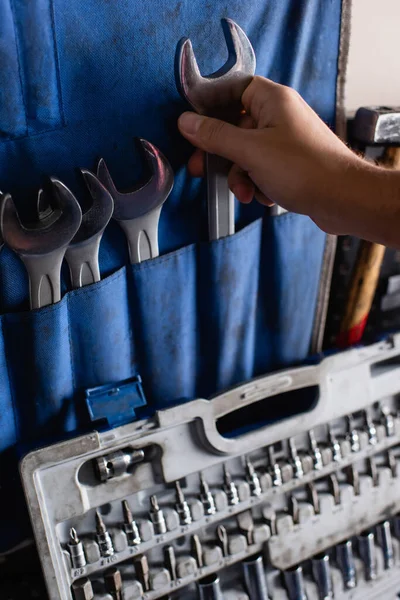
{"type": "Point", "coordinates": [12, 6]}
{"type": "Point", "coordinates": [71, 362]}
{"type": "Point", "coordinates": [10, 385]}
{"type": "Point", "coordinates": [57, 63]}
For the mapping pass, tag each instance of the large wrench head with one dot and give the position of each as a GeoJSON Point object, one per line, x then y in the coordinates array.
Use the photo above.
{"type": "Point", "coordinates": [97, 217]}
{"type": "Point", "coordinates": [214, 94]}
{"type": "Point", "coordinates": [51, 233]}
{"type": "Point", "coordinates": [144, 198]}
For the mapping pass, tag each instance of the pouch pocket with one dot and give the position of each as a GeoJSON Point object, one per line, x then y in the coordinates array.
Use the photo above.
{"type": "Point", "coordinates": [228, 285]}
{"type": "Point", "coordinates": [164, 315]}
{"type": "Point", "coordinates": [30, 99]}
{"type": "Point", "coordinates": [39, 365]}
{"type": "Point", "coordinates": [291, 261]}
{"type": "Point", "coordinates": [100, 330]}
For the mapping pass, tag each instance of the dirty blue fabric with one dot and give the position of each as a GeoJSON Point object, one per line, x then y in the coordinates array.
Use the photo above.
{"type": "Point", "coordinates": [79, 80]}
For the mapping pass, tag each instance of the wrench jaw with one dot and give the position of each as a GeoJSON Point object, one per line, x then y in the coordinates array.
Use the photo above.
{"type": "Point", "coordinates": [146, 197]}
{"type": "Point", "coordinates": [215, 94]}
{"type": "Point", "coordinates": [42, 246]}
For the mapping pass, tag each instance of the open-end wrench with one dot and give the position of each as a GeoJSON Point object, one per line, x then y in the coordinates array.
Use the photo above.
{"type": "Point", "coordinates": [42, 245]}
{"type": "Point", "coordinates": [138, 211]}
{"type": "Point", "coordinates": [82, 254]}
{"type": "Point", "coordinates": [217, 95]}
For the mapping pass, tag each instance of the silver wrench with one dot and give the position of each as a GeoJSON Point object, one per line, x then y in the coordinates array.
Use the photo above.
{"type": "Point", "coordinates": [217, 95]}
{"type": "Point", "coordinates": [82, 254]}
{"type": "Point", "coordinates": [138, 211]}
{"type": "Point", "coordinates": [42, 245]}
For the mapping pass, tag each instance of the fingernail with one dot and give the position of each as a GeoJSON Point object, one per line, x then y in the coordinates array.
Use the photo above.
{"type": "Point", "coordinates": [190, 122]}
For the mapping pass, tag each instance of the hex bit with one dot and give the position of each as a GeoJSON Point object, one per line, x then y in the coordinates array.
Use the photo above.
{"type": "Point", "coordinates": [157, 516]}
{"type": "Point", "coordinates": [206, 497]}
{"type": "Point", "coordinates": [182, 507]}
{"type": "Point", "coordinates": [76, 551]}
{"type": "Point", "coordinates": [103, 537]}
{"type": "Point", "coordinates": [130, 526]}
{"type": "Point", "coordinates": [113, 583]}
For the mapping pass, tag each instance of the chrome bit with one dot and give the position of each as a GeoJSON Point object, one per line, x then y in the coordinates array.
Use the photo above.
{"type": "Point", "coordinates": [371, 429]}
{"type": "Point", "coordinates": [366, 544]}
{"type": "Point", "coordinates": [253, 479]}
{"type": "Point", "coordinates": [103, 537]}
{"type": "Point", "coordinates": [230, 488]}
{"type": "Point", "coordinates": [385, 542]}
{"type": "Point", "coordinates": [157, 516]}
{"type": "Point", "coordinates": [334, 488]}
{"type": "Point", "coordinates": [352, 435]}
{"type": "Point", "coordinates": [387, 420]}
{"type": "Point", "coordinates": [222, 537]}
{"type": "Point", "coordinates": [142, 571]}
{"type": "Point", "coordinates": [312, 496]}
{"type": "Point", "coordinates": [182, 507]}
{"type": "Point", "coordinates": [275, 469]}
{"type": "Point", "coordinates": [130, 526]}
{"type": "Point", "coordinates": [296, 461]}
{"type": "Point", "coordinates": [316, 452]}
{"type": "Point", "coordinates": [197, 550]}
{"type": "Point", "coordinates": [206, 497]}
{"type": "Point", "coordinates": [82, 589]}
{"type": "Point", "coordinates": [76, 551]}
{"type": "Point", "coordinates": [345, 559]}
{"type": "Point", "coordinates": [335, 445]}
{"type": "Point", "coordinates": [392, 462]}
{"type": "Point", "coordinates": [113, 583]}
{"type": "Point", "coordinates": [246, 525]}
{"type": "Point", "coordinates": [170, 561]}
{"type": "Point", "coordinates": [294, 582]}
{"type": "Point", "coordinates": [322, 575]}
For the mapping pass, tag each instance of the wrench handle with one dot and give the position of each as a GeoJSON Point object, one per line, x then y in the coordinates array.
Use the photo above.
{"type": "Point", "coordinates": [44, 278]}
{"type": "Point", "coordinates": [142, 236]}
{"type": "Point", "coordinates": [220, 200]}
{"type": "Point", "coordinates": [83, 263]}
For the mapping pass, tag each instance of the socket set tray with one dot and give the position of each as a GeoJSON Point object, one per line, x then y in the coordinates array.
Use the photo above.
{"type": "Point", "coordinates": [201, 501]}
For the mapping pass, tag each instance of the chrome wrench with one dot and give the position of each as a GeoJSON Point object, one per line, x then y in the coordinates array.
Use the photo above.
{"type": "Point", "coordinates": [82, 254]}
{"type": "Point", "coordinates": [42, 245]}
{"type": "Point", "coordinates": [138, 211]}
{"type": "Point", "coordinates": [217, 95]}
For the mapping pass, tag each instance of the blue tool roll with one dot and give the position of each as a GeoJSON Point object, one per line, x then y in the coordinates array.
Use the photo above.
{"type": "Point", "coordinates": [77, 81]}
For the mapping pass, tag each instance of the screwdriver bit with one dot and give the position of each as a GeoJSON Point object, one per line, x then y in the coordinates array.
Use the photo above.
{"type": "Point", "coordinates": [295, 459]}
{"type": "Point", "coordinates": [130, 526]}
{"type": "Point", "coordinates": [113, 583]}
{"type": "Point", "coordinates": [372, 470]}
{"type": "Point", "coordinates": [353, 479]}
{"type": "Point", "coordinates": [157, 516]}
{"type": "Point", "coordinates": [391, 462]}
{"type": "Point", "coordinates": [142, 571]}
{"type": "Point", "coordinates": [275, 469]}
{"type": "Point", "coordinates": [103, 537]}
{"type": "Point", "coordinates": [334, 487]}
{"type": "Point", "coordinates": [206, 497]}
{"type": "Point", "coordinates": [197, 550]}
{"type": "Point", "coordinates": [82, 589]}
{"type": "Point", "coordinates": [385, 542]}
{"type": "Point", "coordinates": [76, 551]}
{"type": "Point", "coordinates": [222, 537]}
{"type": "Point", "coordinates": [293, 509]}
{"type": "Point", "coordinates": [322, 575]}
{"type": "Point", "coordinates": [313, 497]}
{"type": "Point", "coordinates": [366, 544]}
{"type": "Point", "coordinates": [246, 525]}
{"type": "Point", "coordinates": [316, 452]}
{"type": "Point", "coordinates": [371, 429]}
{"type": "Point", "coordinates": [253, 479]}
{"type": "Point", "coordinates": [170, 561]}
{"type": "Point", "coordinates": [345, 559]}
{"type": "Point", "coordinates": [335, 445]}
{"type": "Point", "coordinates": [387, 420]}
{"type": "Point", "coordinates": [182, 507]}
{"type": "Point", "coordinates": [230, 488]}
{"type": "Point", "coordinates": [352, 435]}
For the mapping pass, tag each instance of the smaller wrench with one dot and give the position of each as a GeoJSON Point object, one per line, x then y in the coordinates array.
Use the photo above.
{"type": "Point", "coordinates": [42, 245]}
{"type": "Point", "coordinates": [138, 211]}
{"type": "Point", "coordinates": [82, 254]}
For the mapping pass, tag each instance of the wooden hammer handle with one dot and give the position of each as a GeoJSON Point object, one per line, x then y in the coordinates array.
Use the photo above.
{"type": "Point", "coordinates": [365, 277]}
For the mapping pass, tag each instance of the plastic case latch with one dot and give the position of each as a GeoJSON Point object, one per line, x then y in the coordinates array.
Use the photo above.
{"type": "Point", "coordinates": [116, 403]}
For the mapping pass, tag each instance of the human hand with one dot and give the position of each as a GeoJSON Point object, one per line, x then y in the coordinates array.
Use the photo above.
{"type": "Point", "coordinates": [282, 153]}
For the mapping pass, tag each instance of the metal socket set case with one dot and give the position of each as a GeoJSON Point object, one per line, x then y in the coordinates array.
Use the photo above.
{"type": "Point", "coordinates": [173, 506]}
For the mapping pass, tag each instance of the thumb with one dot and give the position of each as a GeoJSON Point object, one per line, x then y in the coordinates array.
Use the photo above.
{"type": "Point", "coordinates": [215, 136]}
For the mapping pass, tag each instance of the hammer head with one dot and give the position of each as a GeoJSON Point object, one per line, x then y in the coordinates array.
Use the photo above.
{"type": "Point", "coordinates": [377, 125]}
{"type": "Point", "coordinates": [214, 94]}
